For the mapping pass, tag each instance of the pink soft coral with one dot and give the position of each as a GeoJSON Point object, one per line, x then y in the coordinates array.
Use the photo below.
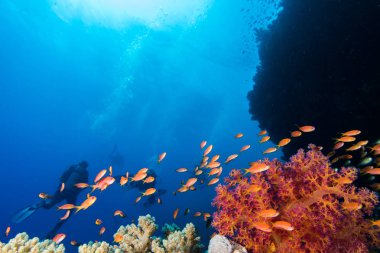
{"type": "Point", "coordinates": [325, 209]}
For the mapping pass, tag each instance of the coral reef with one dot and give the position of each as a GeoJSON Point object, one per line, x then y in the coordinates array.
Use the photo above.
{"type": "Point", "coordinates": [220, 244]}
{"type": "Point", "coordinates": [98, 247]}
{"type": "Point", "coordinates": [22, 244]}
{"type": "Point", "coordinates": [319, 64]}
{"type": "Point", "coordinates": [320, 207]}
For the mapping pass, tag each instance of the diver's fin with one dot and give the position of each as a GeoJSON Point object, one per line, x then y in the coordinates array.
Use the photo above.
{"type": "Point", "coordinates": [21, 215]}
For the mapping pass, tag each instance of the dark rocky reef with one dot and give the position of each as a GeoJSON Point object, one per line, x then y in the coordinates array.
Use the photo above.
{"type": "Point", "coordinates": [320, 65]}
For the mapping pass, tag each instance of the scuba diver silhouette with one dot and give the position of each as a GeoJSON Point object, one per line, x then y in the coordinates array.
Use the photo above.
{"type": "Point", "coordinates": [76, 173]}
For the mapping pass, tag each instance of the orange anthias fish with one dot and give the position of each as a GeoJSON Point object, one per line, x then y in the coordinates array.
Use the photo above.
{"type": "Point", "coordinates": [66, 207]}
{"type": "Point", "coordinates": [175, 213]}
{"type": "Point", "coordinates": [244, 148]}
{"type": "Point", "coordinates": [58, 238]}
{"type": "Point", "coordinates": [183, 189]}
{"type": "Point", "coordinates": [74, 243]}
{"type": "Point", "coordinates": [67, 214]}
{"type": "Point", "coordinates": [238, 135]}
{"type": "Point", "coordinates": [103, 183]}
{"type": "Point", "coordinates": [138, 199]}
{"type": "Point", "coordinates": [214, 171]}
{"type": "Point", "coordinates": [307, 129]}
{"type": "Point", "coordinates": [87, 203]}
{"type": "Point", "coordinates": [346, 139]}
{"type": "Point", "coordinates": [374, 171]}
{"type": "Point", "coordinates": [351, 133]}
{"type": "Point", "coordinates": [352, 206]}
{"type": "Point", "coordinates": [257, 167]}
{"type": "Point", "coordinates": [270, 150]}
{"type": "Point", "coordinates": [362, 143]}
{"type": "Point", "coordinates": [263, 226]}
{"type": "Point", "coordinates": [102, 230]}
{"type": "Point", "coordinates": [283, 225]}
{"type": "Point", "coordinates": [118, 238]}
{"type": "Point", "coordinates": [254, 188]}
{"type": "Point", "coordinates": [139, 177]}
{"type": "Point", "coordinates": [262, 132]}
{"type": "Point", "coordinates": [198, 172]}
{"type": "Point", "coordinates": [149, 191]}
{"type": "Point", "coordinates": [214, 158]}
{"type": "Point", "coordinates": [338, 145]}
{"type": "Point", "coordinates": [7, 231]}
{"type": "Point", "coordinates": [264, 139]}
{"type": "Point", "coordinates": [354, 147]}
{"type": "Point", "coordinates": [213, 181]}
{"type": "Point", "coordinates": [62, 187]}
{"type": "Point", "coordinates": [100, 175]}
{"type": "Point", "coordinates": [230, 158]}
{"type": "Point", "coordinates": [44, 196]}
{"type": "Point", "coordinates": [148, 180]}
{"type": "Point", "coordinates": [269, 213]}
{"type": "Point", "coordinates": [143, 170]}
{"type": "Point", "coordinates": [181, 170]}
{"type": "Point", "coordinates": [123, 180]}
{"type": "Point", "coordinates": [197, 214]}
{"type": "Point", "coordinates": [207, 150]}
{"type": "Point", "coordinates": [190, 182]}
{"type": "Point", "coordinates": [98, 221]}
{"type": "Point", "coordinates": [203, 144]}
{"type": "Point", "coordinates": [119, 213]}
{"type": "Point", "coordinates": [161, 157]}
{"type": "Point", "coordinates": [110, 170]}
{"type": "Point", "coordinates": [296, 134]}
{"type": "Point", "coordinates": [82, 185]}
{"type": "Point", "coordinates": [212, 165]}
{"type": "Point", "coordinates": [283, 142]}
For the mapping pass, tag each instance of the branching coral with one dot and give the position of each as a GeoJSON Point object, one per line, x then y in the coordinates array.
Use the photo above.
{"type": "Point", "coordinates": [22, 244]}
{"type": "Point", "coordinates": [325, 209]}
{"type": "Point", "coordinates": [98, 247]}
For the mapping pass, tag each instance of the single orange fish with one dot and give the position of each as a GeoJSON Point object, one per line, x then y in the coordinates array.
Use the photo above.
{"type": "Point", "coordinates": [175, 213]}
{"type": "Point", "coordinates": [351, 133]}
{"type": "Point", "coordinates": [58, 238]}
{"type": "Point", "coordinates": [110, 170]}
{"type": "Point", "coordinates": [214, 171]}
{"type": "Point", "coordinates": [119, 213]}
{"type": "Point", "coordinates": [74, 243]}
{"type": "Point", "coordinates": [181, 170]}
{"type": "Point", "coordinates": [352, 206]}
{"type": "Point", "coordinates": [283, 225]}
{"type": "Point", "coordinates": [296, 134]}
{"type": "Point", "coordinates": [203, 144]}
{"type": "Point", "coordinates": [7, 231]}
{"type": "Point", "coordinates": [262, 132]}
{"type": "Point", "coordinates": [62, 187]}
{"type": "Point", "coordinates": [98, 221]}
{"type": "Point", "coordinates": [257, 167]}
{"type": "Point", "coordinates": [198, 172]}
{"type": "Point", "coordinates": [254, 188]}
{"type": "Point", "coordinates": [212, 165]}
{"type": "Point", "coordinates": [343, 180]}
{"type": "Point", "coordinates": [143, 170]}
{"type": "Point", "coordinates": [159, 201]}
{"type": "Point", "coordinates": [269, 213]}
{"type": "Point", "coordinates": [138, 199]}
{"type": "Point", "coordinates": [82, 185]}
{"type": "Point", "coordinates": [117, 238]}
{"type": "Point", "coordinates": [139, 177]}
{"type": "Point", "coordinates": [283, 142]}
{"type": "Point", "coordinates": [66, 207]}
{"type": "Point", "coordinates": [191, 181]}
{"type": "Point", "coordinates": [123, 180]}
{"type": "Point", "coordinates": [346, 139]}
{"type": "Point", "coordinates": [87, 203]}
{"type": "Point", "coordinates": [197, 214]}
{"type": "Point", "coordinates": [102, 230]}
{"type": "Point", "coordinates": [214, 158]}
{"type": "Point", "coordinates": [149, 191]}
{"type": "Point", "coordinates": [263, 226]}
{"type": "Point", "coordinates": [103, 183]}
{"type": "Point", "coordinates": [206, 216]}
{"type": "Point", "coordinates": [67, 214]}
{"type": "Point", "coordinates": [207, 150]}
{"type": "Point", "coordinates": [375, 148]}
{"type": "Point", "coordinates": [230, 158]}
{"type": "Point", "coordinates": [161, 157]}
{"type": "Point", "coordinates": [307, 129]}
{"type": "Point", "coordinates": [338, 145]}
{"type": "Point", "coordinates": [270, 150]}
{"type": "Point", "coordinates": [264, 139]}
{"type": "Point", "coordinates": [362, 143]}
{"type": "Point", "coordinates": [100, 175]}
{"type": "Point", "coordinates": [374, 171]}
{"type": "Point", "coordinates": [353, 148]}
{"type": "Point", "coordinates": [239, 135]}
{"type": "Point", "coordinates": [44, 196]}
{"type": "Point", "coordinates": [183, 189]}
{"type": "Point", "coordinates": [148, 180]}
{"type": "Point", "coordinates": [213, 181]}
{"type": "Point", "coordinates": [244, 148]}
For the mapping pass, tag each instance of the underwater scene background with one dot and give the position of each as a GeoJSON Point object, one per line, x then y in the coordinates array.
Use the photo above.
{"type": "Point", "coordinates": [117, 83]}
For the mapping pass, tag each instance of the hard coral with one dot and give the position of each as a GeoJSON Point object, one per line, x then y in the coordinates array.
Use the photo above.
{"type": "Point", "coordinates": [325, 209]}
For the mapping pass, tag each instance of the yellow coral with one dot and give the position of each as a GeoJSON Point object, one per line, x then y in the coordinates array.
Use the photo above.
{"type": "Point", "coordinates": [22, 244]}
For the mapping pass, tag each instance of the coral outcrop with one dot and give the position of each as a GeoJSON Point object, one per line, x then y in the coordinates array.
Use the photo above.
{"type": "Point", "coordinates": [220, 244]}
{"type": "Point", "coordinates": [315, 208]}
{"type": "Point", "coordinates": [22, 244]}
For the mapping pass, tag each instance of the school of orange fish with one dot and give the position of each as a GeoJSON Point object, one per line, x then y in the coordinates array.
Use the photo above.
{"type": "Point", "coordinates": [102, 181]}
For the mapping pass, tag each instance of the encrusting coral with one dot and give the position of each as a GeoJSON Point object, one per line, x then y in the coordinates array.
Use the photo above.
{"type": "Point", "coordinates": [22, 244]}
{"type": "Point", "coordinates": [319, 208]}
{"type": "Point", "coordinates": [133, 238]}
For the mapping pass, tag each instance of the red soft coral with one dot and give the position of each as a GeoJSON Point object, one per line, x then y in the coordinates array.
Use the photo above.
{"type": "Point", "coordinates": [326, 211]}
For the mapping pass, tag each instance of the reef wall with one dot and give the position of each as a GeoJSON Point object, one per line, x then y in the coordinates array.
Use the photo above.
{"type": "Point", "coordinates": [320, 65]}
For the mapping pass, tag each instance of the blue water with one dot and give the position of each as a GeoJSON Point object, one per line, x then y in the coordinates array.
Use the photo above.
{"type": "Point", "coordinates": [74, 88]}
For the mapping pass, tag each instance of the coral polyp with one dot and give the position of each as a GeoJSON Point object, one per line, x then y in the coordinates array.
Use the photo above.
{"type": "Point", "coordinates": [315, 208]}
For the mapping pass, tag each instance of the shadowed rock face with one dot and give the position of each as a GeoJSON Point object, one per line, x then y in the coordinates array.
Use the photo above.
{"type": "Point", "coordinates": [320, 65]}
